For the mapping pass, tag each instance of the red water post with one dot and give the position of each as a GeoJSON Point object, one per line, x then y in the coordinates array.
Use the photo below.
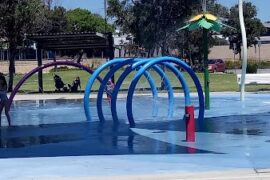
{"type": "Point", "coordinates": [190, 124]}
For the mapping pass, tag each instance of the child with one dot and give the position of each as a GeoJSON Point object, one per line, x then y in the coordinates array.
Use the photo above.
{"type": "Point", "coordinates": [109, 89]}
{"type": "Point", "coordinates": [59, 84]}
{"type": "Point", "coordinates": [76, 83]}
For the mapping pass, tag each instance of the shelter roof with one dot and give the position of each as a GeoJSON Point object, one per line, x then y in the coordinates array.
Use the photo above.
{"type": "Point", "coordinates": [74, 40]}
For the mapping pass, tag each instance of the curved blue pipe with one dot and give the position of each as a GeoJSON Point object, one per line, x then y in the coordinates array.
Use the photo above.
{"type": "Point", "coordinates": [91, 81]}
{"type": "Point", "coordinates": [121, 62]}
{"type": "Point", "coordinates": [182, 81]}
{"type": "Point", "coordinates": [166, 80]}
{"type": "Point", "coordinates": [120, 80]}
{"type": "Point", "coordinates": [148, 65]}
{"type": "Point", "coordinates": [109, 75]}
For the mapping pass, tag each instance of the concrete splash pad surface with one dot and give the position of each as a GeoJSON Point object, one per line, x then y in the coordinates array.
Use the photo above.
{"type": "Point", "coordinates": [54, 141]}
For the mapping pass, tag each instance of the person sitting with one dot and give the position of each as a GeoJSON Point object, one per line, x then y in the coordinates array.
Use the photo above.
{"type": "Point", "coordinates": [75, 84]}
{"type": "Point", "coordinates": [59, 84]}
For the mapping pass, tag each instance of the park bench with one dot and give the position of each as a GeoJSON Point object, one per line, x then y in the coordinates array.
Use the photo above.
{"type": "Point", "coordinates": [255, 79]}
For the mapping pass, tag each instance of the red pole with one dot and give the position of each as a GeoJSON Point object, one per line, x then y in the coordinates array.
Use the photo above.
{"type": "Point", "coordinates": [190, 124]}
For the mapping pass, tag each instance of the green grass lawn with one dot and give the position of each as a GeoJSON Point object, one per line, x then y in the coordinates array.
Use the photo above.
{"type": "Point", "coordinates": [218, 81]}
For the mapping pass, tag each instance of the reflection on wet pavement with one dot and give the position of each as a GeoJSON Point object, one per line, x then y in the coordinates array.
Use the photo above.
{"type": "Point", "coordinates": [58, 128]}
{"type": "Point", "coordinates": [82, 139]}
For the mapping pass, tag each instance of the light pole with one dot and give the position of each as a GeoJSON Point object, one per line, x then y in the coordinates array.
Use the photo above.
{"type": "Point", "coordinates": [105, 15]}
{"type": "Point", "coordinates": [204, 5]}
{"type": "Point", "coordinates": [244, 41]}
{"type": "Point", "coordinates": [259, 45]}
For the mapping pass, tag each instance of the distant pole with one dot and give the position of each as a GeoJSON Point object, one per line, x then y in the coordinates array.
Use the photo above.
{"type": "Point", "coordinates": [40, 73]}
{"type": "Point", "coordinates": [105, 15]}
{"type": "Point", "coordinates": [204, 5]}
{"type": "Point", "coordinates": [244, 40]}
{"type": "Point", "coordinates": [259, 45]}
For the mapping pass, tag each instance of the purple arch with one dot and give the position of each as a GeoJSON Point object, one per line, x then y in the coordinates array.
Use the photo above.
{"type": "Point", "coordinates": [44, 66]}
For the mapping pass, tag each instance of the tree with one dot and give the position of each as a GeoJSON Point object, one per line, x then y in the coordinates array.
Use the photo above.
{"type": "Point", "coordinates": [152, 23]}
{"type": "Point", "coordinates": [57, 20]}
{"type": "Point", "coordinates": [190, 44]}
{"type": "Point", "coordinates": [80, 20]}
{"type": "Point", "coordinates": [17, 18]}
{"type": "Point", "coordinates": [254, 27]}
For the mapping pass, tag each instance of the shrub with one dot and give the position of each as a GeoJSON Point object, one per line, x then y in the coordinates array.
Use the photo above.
{"type": "Point", "coordinates": [61, 68]}
{"type": "Point", "coordinates": [252, 68]}
{"type": "Point", "coordinates": [232, 64]}
{"type": "Point", "coordinates": [251, 62]}
{"type": "Point", "coordinates": [264, 64]}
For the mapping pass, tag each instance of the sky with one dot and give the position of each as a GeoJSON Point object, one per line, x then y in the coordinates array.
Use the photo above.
{"type": "Point", "coordinates": [97, 6]}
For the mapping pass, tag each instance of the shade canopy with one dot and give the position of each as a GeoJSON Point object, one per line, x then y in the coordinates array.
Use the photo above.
{"type": "Point", "coordinates": [75, 40]}
{"type": "Point", "coordinates": [204, 21]}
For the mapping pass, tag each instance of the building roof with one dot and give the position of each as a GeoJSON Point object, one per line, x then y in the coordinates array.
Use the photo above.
{"type": "Point", "coordinates": [267, 25]}
{"type": "Point", "coordinates": [75, 40]}
{"type": "Point", "coordinates": [264, 39]}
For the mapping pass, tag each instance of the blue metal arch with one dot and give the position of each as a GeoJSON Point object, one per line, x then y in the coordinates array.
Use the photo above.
{"type": "Point", "coordinates": [120, 80]}
{"type": "Point", "coordinates": [150, 64]}
{"type": "Point", "coordinates": [128, 70]}
{"type": "Point", "coordinates": [139, 63]}
{"type": "Point", "coordinates": [182, 81]}
{"type": "Point", "coordinates": [110, 74]}
{"type": "Point", "coordinates": [91, 80]}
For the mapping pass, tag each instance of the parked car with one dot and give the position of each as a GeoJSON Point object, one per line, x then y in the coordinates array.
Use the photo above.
{"type": "Point", "coordinates": [216, 65]}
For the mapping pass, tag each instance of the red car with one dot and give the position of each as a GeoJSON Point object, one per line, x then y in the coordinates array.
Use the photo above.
{"type": "Point", "coordinates": [216, 65]}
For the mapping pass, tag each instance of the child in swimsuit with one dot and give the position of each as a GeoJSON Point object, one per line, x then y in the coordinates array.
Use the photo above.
{"type": "Point", "coordinates": [109, 89]}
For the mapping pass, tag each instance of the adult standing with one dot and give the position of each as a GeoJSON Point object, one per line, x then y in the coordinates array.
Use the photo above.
{"type": "Point", "coordinates": [3, 97]}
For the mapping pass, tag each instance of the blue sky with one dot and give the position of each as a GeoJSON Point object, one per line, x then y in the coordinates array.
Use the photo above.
{"type": "Point", "coordinates": [262, 6]}
{"type": "Point", "coordinates": [97, 6]}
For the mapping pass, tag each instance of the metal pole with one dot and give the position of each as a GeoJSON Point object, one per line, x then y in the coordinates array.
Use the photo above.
{"type": "Point", "coordinates": [204, 5]}
{"type": "Point", "coordinates": [105, 15]}
{"type": "Point", "coordinates": [259, 44]}
{"type": "Point", "coordinates": [40, 73]}
{"type": "Point", "coordinates": [244, 40]}
{"type": "Point", "coordinates": [206, 72]}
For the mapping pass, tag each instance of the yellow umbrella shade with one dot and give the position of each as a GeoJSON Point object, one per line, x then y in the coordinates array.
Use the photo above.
{"type": "Point", "coordinates": [205, 21]}
{"type": "Point", "coordinates": [202, 23]}
{"type": "Point", "coordinates": [206, 16]}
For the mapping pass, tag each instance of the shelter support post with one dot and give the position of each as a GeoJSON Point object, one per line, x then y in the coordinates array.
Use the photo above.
{"type": "Point", "coordinates": [40, 75]}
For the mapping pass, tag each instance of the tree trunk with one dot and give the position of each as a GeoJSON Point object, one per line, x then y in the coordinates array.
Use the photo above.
{"type": "Point", "coordinates": [12, 51]}
{"type": "Point", "coordinates": [148, 53]}
{"type": "Point", "coordinates": [240, 55]}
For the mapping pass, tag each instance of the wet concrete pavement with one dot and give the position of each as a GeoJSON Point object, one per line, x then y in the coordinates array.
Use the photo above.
{"type": "Point", "coordinates": [235, 139]}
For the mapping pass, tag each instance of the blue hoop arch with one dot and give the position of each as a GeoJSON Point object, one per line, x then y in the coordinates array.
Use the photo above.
{"type": "Point", "coordinates": [141, 62]}
{"type": "Point", "coordinates": [120, 62]}
{"type": "Point", "coordinates": [39, 68]}
{"type": "Point", "coordinates": [135, 64]}
{"type": "Point", "coordinates": [150, 64]}
{"type": "Point", "coordinates": [120, 80]}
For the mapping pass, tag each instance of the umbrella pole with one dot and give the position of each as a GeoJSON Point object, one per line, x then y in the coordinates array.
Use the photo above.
{"type": "Point", "coordinates": [206, 72]}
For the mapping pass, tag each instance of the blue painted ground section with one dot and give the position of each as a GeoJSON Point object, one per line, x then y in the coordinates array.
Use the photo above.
{"type": "Point", "coordinates": [53, 134]}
